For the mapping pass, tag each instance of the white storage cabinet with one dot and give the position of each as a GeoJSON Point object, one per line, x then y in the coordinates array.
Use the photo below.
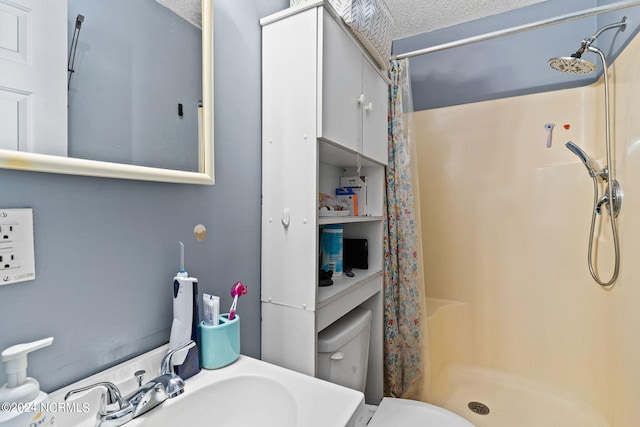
{"type": "Point", "coordinates": [314, 131]}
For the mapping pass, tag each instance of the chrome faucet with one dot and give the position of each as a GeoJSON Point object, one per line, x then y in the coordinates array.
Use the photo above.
{"type": "Point", "coordinates": [154, 393]}
{"type": "Point", "coordinates": [110, 395]}
{"type": "Point", "coordinates": [166, 386]}
{"type": "Point", "coordinates": [166, 366]}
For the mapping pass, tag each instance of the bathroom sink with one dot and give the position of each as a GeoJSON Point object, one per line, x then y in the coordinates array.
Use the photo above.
{"type": "Point", "coordinates": [246, 400]}
{"type": "Point", "coordinates": [247, 393]}
{"type": "Point", "coordinates": [250, 392]}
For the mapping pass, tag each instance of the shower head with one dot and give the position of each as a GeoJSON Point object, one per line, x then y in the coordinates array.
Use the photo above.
{"type": "Point", "coordinates": [79, 21]}
{"type": "Point", "coordinates": [582, 156]}
{"type": "Point", "coordinates": [573, 64]}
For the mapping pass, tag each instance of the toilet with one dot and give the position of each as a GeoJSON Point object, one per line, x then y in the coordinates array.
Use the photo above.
{"type": "Point", "coordinates": [343, 352]}
{"type": "Point", "coordinates": [405, 412]}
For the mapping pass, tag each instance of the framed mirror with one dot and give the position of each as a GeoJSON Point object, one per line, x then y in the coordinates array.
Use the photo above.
{"type": "Point", "coordinates": [134, 100]}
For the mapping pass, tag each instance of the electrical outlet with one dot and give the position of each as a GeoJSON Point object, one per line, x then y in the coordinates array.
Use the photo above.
{"type": "Point", "coordinates": [7, 233]}
{"type": "Point", "coordinates": [8, 260]}
{"type": "Point", "coordinates": [17, 260]}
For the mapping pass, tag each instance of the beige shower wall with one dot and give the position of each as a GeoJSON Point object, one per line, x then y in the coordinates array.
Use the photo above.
{"type": "Point", "coordinates": [505, 223]}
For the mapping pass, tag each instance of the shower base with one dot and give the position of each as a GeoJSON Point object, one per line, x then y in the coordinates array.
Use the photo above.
{"type": "Point", "coordinates": [510, 401]}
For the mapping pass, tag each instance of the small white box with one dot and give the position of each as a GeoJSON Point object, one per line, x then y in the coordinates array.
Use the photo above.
{"type": "Point", "coordinates": [359, 186]}
{"type": "Point", "coordinates": [348, 198]}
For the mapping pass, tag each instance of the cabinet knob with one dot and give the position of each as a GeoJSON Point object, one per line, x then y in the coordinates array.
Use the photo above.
{"type": "Point", "coordinates": [286, 217]}
{"type": "Point", "coordinates": [361, 99]}
{"type": "Point", "coordinates": [369, 107]}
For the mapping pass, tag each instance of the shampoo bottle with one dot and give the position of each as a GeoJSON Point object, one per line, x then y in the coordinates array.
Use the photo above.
{"type": "Point", "coordinates": [185, 321]}
{"type": "Point", "coordinates": [23, 404]}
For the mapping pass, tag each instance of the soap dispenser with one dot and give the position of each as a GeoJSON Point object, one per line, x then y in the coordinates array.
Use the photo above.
{"type": "Point", "coordinates": [185, 321]}
{"type": "Point", "coordinates": [21, 400]}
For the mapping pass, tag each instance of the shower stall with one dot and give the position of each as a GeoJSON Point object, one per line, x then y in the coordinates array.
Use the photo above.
{"type": "Point", "coordinates": [519, 333]}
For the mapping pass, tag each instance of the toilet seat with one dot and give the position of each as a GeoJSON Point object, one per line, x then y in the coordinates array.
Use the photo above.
{"type": "Point", "coordinates": [404, 412]}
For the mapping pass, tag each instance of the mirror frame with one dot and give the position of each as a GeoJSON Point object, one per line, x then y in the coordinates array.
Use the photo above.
{"type": "Point", "coordinates": [27, 161]}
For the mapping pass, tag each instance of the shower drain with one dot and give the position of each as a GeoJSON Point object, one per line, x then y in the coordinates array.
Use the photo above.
{"type": "Point", "coordinates": [479, 408]}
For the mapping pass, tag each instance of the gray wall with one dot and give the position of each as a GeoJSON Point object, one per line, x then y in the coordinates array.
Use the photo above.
{"type": "Point", "coordinates": [512, 65]}
{"type": "Point", "coordinates": [106, 249]}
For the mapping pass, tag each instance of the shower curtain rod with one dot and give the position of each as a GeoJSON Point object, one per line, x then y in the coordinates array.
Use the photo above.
{"type": "Point", "coordinates": [521, 28]}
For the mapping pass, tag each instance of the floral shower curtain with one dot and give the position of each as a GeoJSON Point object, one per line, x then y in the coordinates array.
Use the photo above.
{"type": "Point", "coordinates": [403, 280]}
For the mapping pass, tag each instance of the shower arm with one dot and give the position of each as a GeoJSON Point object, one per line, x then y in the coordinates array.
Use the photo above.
{"type": "Point", "coordinates": [586, 43]}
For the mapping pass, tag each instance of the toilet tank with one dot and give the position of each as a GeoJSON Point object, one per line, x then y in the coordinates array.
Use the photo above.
{"type": "Point", "coordinates": [343, 350]}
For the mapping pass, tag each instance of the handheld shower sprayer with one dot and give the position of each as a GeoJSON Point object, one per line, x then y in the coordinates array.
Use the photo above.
{"type": "Point", "coordinates": [72, 50]}
{"type": "Point", "coordinates": [582, 156]}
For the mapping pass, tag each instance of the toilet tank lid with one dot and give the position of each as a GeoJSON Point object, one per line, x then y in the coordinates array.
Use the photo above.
{"type": "Point", "coordinates": [343, 330]}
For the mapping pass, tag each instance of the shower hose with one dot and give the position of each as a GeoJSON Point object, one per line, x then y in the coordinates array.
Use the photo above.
{"type": "Point", "coordinates": [614, 230]}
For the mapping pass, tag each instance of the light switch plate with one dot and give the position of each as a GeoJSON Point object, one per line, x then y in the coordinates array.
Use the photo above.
{"type": "Point", "coordinates": [17, 257]}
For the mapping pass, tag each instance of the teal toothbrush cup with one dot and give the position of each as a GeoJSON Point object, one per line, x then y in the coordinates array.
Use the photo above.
{"type": "Point", "coordinates": [220, 344]}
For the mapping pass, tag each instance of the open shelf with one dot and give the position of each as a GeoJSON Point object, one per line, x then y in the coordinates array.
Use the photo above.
{"type": "Point", "coordinates": [343, 285]}
{"type": "Point", "coordinates": [324, 220]}
{"type": "Point", "coordinates": [345, 294]}
{"type": "Point", "coordinates": [341, 156]}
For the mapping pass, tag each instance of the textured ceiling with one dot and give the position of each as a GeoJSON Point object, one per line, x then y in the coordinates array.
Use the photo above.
{"type": "Point", "coordinates": [420, 16]}
{"type": "Point", "coordinates": [191, 10]}
{"type": "Point", "coordinates": [411, 16]}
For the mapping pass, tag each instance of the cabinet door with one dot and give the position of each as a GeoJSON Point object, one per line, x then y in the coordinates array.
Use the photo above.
{"type": "Point", "coordinates": [289, 161]}
{"type": "Point", "coordinates": [375, 115]}
{"type": "Point", "coordinates": [341, 85]}
{"type": "Point", "coordinates": [289, 338]}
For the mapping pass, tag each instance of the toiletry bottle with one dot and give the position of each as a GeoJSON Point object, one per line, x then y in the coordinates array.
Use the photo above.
{"type": "Point", "coordinates": [22, 404]}
{"type": "Point", "coordinates": [185, 321]}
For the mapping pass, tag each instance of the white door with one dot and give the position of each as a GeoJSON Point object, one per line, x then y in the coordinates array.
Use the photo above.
{"type": "Point", "coordinates": [33, 76]}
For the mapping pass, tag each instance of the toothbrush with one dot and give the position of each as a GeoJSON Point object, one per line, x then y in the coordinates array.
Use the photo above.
{"type": "Point", "coordinates": [237, 290]}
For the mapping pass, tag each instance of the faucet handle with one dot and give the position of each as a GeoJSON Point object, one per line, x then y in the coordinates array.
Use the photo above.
{"type": "Point", "coordinates": [140, 376]}
{"type": "Point", "coordinates": [110, 394]}
{"type": "Point", "coordinates": [166, 367]}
